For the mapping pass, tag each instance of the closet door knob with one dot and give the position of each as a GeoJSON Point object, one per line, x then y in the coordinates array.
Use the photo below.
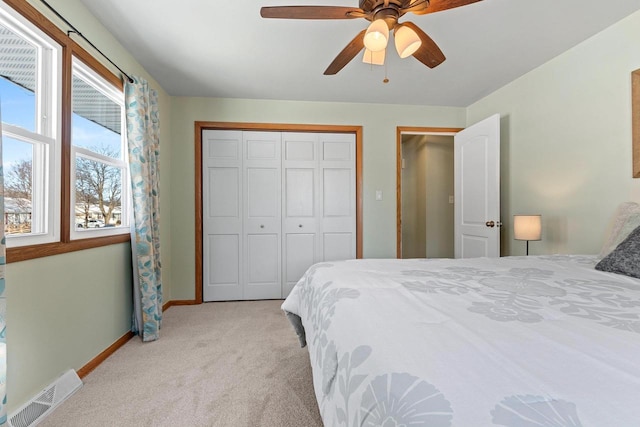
{"type": "Point", "coordinates": [261, 225]}
{"type": "Point", "coordinates": [300, 226]}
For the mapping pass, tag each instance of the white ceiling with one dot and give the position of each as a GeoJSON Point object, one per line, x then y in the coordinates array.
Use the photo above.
{"type": "Point", "coordinates": [225, 49]}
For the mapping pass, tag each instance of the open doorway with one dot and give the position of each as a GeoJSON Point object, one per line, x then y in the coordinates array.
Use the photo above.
{"type": "Point", "coordinates": [425, 193]}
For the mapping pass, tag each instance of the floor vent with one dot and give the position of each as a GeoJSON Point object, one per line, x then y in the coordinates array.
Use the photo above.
{"type": "Point", "coordinates": [40, 406]}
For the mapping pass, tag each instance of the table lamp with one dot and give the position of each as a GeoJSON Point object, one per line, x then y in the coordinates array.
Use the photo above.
{"type": "Point", "coordinates": [527, 227]}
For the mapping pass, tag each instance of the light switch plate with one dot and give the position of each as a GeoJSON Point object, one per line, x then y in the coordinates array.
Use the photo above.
{"type": "Point", "coordinates": [378, 194]}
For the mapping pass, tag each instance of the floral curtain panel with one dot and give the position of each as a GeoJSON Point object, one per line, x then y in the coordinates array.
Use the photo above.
{"type": "Point", "coordinates": [3, 303]}
{"type": "Point", "coordinates": [143, 129]}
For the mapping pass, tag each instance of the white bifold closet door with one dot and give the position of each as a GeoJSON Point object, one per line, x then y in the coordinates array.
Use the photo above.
{"type": "Point", "coordinates": [300, 204]}
{"type": "Point", "coordinates": [222, 215]}
{"type": "Point", "coordinates": [318, 201]}
{"type": "Point", "coordinates": [273, 205]}
{"type": "Point", "coordinates": [262, 219]}
{"type": "Point", "coordinates": [337, 170]}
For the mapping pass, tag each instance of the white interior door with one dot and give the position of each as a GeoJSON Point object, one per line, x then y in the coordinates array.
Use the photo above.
{"type": "Point", "coordinates": [222, 240]}
{"type": "Point", "coordinates": [337, 196]}
{"type": "Point", "coordinates": [477, 189]}
{"type": "Point", "coordinates": [262, 211]}
{"type": "Point", "coordinates": [300, 204]}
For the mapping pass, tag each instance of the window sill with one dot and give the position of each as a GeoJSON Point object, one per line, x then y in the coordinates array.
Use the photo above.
{"type": "Point", "coordinates": [24, 253]}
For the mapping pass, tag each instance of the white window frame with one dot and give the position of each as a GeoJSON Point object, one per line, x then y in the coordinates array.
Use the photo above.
{"type": "Point", "coordinates": [47, 138]}
{"type": "Point", "coordinates": [116, 95]}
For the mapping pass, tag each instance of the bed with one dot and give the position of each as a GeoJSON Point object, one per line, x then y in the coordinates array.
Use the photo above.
{"type": "Point", "coordinates": [513, 341]}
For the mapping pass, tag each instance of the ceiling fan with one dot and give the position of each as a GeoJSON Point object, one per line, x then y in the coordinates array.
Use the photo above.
{"type": "Point", "coordinates": [384, 16]}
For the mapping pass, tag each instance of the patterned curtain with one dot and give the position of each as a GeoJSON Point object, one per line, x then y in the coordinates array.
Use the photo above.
{"type": "Point", "coordinates": [143, 128]}
{"type": "Point", "coordinates": [3, 303]}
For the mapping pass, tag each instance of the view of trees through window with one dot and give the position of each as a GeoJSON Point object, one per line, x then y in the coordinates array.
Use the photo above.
{"type": "Point", "coordinates": [97, 185]}
{"type": "Point", "coordinates": [18, 108]}
{"type": "Point", "coordinates": [18, 183]}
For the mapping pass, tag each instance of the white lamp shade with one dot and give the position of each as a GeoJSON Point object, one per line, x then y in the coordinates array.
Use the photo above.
{"type": "Point", "coordinates": [527, 227]}
{"type": "Point", "coordinates": [377, 36]}
{"type": "Point", "coordinates": [407, 41]}
{"type": "Point", "coordinates": [373, 58]}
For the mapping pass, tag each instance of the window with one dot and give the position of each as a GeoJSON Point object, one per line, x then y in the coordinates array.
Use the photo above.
{"type": "Point", "coordinates": [98, 156]}
{"type": "Point", "coordinates": [63, 140]}
{"type": "Point", "coordinates": [30, 88]}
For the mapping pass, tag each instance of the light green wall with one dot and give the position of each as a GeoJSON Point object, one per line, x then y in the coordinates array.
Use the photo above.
{"type": "Point", "coordinates": [566, 141]}
{"type": "Point", "coordinates": [414, 235]}
{"type": "Point", "coordinates": [379, 124]}
{"type": "Point", "coordinates": [64, 310]}
{"type": "Point", "coordinates": [439, 214]}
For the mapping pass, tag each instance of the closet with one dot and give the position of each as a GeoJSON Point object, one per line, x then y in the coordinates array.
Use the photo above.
{"type": "Point", "coordinates": [273, 204]}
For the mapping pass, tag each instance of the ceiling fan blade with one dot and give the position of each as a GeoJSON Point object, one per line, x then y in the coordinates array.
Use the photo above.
{"type": "Point", "coordinates": [440, 5]}
{"type": "Point", "coordinates": [311, 12]}
{"type": "Point", "coordinates": [428, 53]}
{"type": "Point", "coordinates": [347, 54]}
{"type": "Point", "coordinates": [415, 6]}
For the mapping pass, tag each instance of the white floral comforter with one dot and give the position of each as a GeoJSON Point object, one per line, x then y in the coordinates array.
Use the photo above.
{"type": "Point", "coordinates": [516, 341]}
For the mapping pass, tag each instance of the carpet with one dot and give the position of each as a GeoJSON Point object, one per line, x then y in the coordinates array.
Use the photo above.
{"type": "Point", "coordinates": [215, 364]}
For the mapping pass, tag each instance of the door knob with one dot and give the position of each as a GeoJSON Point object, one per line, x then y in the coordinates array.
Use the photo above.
{"type": "Point", "coordinates": [261, 225]}
{"type": "Point", "coordinates": [490, 224]}
{"type": "Point", "coordinates": [300, 226]}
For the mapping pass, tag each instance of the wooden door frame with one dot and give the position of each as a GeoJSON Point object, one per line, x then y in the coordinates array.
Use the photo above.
{"type": "Point", "coordinates": [274, 127]}
{"type": "Point", "coordinates": [635, 120]}
{"type": "Point", "coordinates": [400, 130]}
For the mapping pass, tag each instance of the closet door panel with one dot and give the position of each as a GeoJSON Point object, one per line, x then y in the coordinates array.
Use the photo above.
{"type": "Point", "coordinates": [299, 147]}
{"type": "Point", "coordinates": [338, 246]}
{"type": "Point", "coordinates": [337, 192]}
{"type": "Point", "coordinates": [262, 251]}
{"type": "Point", "coordinates": [223, 259]}
{"type": "Point", "coordinates": [262, 215]}
{"type": "Point", "coordinates": [222, 215]}
{"type": "Point", "coordinates": [300, 255]}
{"type": "Point", "coordinates": [337, 148]}
{"type": "Point", "coordinates": [338, 196]}
{"type": "Point", "coordinates": [262, 266]}
{"type": "Point", "coordinates": [222, 147]}
{"type": "Point", "coordinates": [300, 206]}
{"type": "Point", "coordinates": [262, 146]}
{"type": "Point", "coordinates": [263, 191]}
{"type": "Point", "coordinates": [299, 192]}
{"type": "Point", "coordinates": [224, 192]}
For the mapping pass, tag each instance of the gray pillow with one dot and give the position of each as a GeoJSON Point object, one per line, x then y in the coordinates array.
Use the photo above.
{"type": "Point", "coordinates": [625, 258]}
{"type": "Point", "coordinates": [625, 220]}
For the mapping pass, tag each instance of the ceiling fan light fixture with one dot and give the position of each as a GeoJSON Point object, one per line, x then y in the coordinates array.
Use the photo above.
{"type": "Point", "coordinates": [373, 58]}
{"type": "Point", "coordinates": [407, 41]}
{"type": "Point", "coordinates": [377, 36]}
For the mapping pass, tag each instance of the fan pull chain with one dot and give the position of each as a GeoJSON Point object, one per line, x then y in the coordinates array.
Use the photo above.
{"type": "Point", "coordinates": [386, 79]}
